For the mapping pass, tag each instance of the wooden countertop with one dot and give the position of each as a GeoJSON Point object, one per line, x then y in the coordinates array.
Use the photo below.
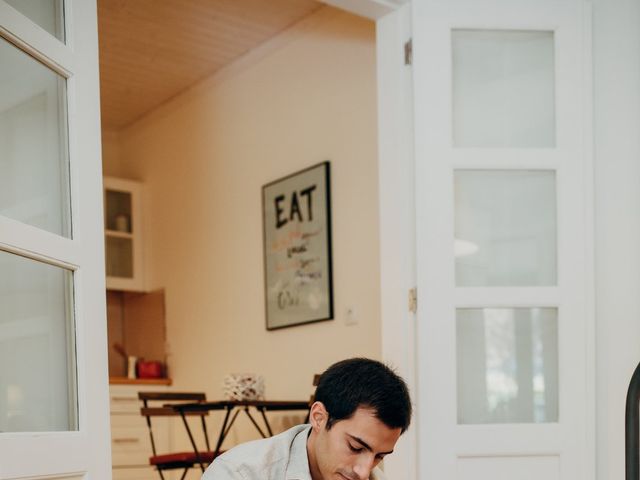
{"type": "Point", "coordinates": [139, 381]}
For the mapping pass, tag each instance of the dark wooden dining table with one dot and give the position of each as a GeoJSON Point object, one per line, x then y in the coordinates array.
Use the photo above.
{"type": "Point", "coordinates": [232, 409]}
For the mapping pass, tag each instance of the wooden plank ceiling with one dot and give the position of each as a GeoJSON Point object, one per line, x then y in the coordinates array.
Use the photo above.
{"type": "Point", "coordinates": [151, 50]}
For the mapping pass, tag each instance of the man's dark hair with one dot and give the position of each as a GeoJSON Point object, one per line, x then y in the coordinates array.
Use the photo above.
{"type": "Point", "coordinates": [363, 383]}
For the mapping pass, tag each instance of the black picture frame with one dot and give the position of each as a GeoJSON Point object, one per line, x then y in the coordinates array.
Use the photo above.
{"type": "Point", "coordinates": [298, 274]}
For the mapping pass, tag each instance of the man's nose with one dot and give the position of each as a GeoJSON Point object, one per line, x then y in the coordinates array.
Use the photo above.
{"type": "Point", "coordinates": [364, 466]}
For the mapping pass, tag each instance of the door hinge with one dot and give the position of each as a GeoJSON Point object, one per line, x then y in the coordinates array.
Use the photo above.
{"type": "Point", "coordinates": [408, 52]}
{"type": "Point", "coordinates": [413, 300]}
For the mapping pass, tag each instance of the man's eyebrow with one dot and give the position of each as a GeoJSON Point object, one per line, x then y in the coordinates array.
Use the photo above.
{"type": "Point", "coordinates": [366, 445]}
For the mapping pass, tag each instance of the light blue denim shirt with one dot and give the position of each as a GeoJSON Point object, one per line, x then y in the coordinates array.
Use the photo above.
{"type": "Point", "coordinates": [281, 457]}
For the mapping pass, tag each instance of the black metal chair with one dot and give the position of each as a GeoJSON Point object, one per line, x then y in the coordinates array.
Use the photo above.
{"type": "Point", "coordinates": [158, 404]}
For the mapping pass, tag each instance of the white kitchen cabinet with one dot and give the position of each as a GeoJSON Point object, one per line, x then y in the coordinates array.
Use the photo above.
{"type": "Point", "coordinates": [123, 234]}
{"type": "Point", "coordinates": [130, 443]}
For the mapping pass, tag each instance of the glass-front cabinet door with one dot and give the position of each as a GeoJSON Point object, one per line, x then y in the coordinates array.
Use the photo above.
{"type": "Point", "coordinates": [504, 271]}
{"type": "Point", "coordinates": [53, 375]}
{"type": "Point", "coordinates": [123, 234]}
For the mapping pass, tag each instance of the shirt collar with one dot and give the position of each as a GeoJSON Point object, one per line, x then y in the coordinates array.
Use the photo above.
{"type": "Point", "coordinates": [298, 467]}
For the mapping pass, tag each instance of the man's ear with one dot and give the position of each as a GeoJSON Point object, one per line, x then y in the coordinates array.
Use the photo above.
{"type": "Point", "coordinates": [318, 416]}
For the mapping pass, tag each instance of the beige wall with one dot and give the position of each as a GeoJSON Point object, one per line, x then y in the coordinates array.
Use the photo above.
{"type": "Point", "coordinates": [309, 96]}
{"type": "Point", "coordinates": [112, 165]}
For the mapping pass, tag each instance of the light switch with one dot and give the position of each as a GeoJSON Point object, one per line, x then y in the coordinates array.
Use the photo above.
{"type": "Point", "coordinates": [350, 317]}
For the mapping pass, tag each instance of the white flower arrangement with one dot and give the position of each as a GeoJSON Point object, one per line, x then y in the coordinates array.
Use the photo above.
{"type": "Point", "coordinates": [243, 386]}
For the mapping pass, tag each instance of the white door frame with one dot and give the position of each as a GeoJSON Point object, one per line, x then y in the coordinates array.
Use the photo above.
{"type": "Point", "coordinates": [397, 227]}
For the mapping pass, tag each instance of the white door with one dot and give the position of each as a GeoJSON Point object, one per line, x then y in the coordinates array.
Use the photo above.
{"type": "Point", "coordinates": [505, 348]}
{"type": "Point", "coordinates": [54, 417]}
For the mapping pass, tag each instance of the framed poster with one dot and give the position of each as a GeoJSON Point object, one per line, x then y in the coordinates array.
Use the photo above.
{"type": "Point", "coordinates": [297, 248]}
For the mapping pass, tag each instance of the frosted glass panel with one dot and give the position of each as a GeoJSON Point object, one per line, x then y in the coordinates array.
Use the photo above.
{"type": "Point", "coordinates": [503, 89]}
{"type": "Point", "coordinates": [118, 211]}
{"type": "Point", "coordinates": [119, 257]}
{"type": "Point", "coordinates": [507, 365]}
{"type": "Point", "coordinates": [37, 347]}
{"type": "Point", "coordinates": [34, 161]}
{"type": "Point", "coordinates": [49, 14]}
{"type": "Point", "coordinates": [505, 228]}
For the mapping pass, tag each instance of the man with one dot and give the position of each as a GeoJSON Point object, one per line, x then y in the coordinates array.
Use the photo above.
{"type": "Point", "coordinates": [360, 410]}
